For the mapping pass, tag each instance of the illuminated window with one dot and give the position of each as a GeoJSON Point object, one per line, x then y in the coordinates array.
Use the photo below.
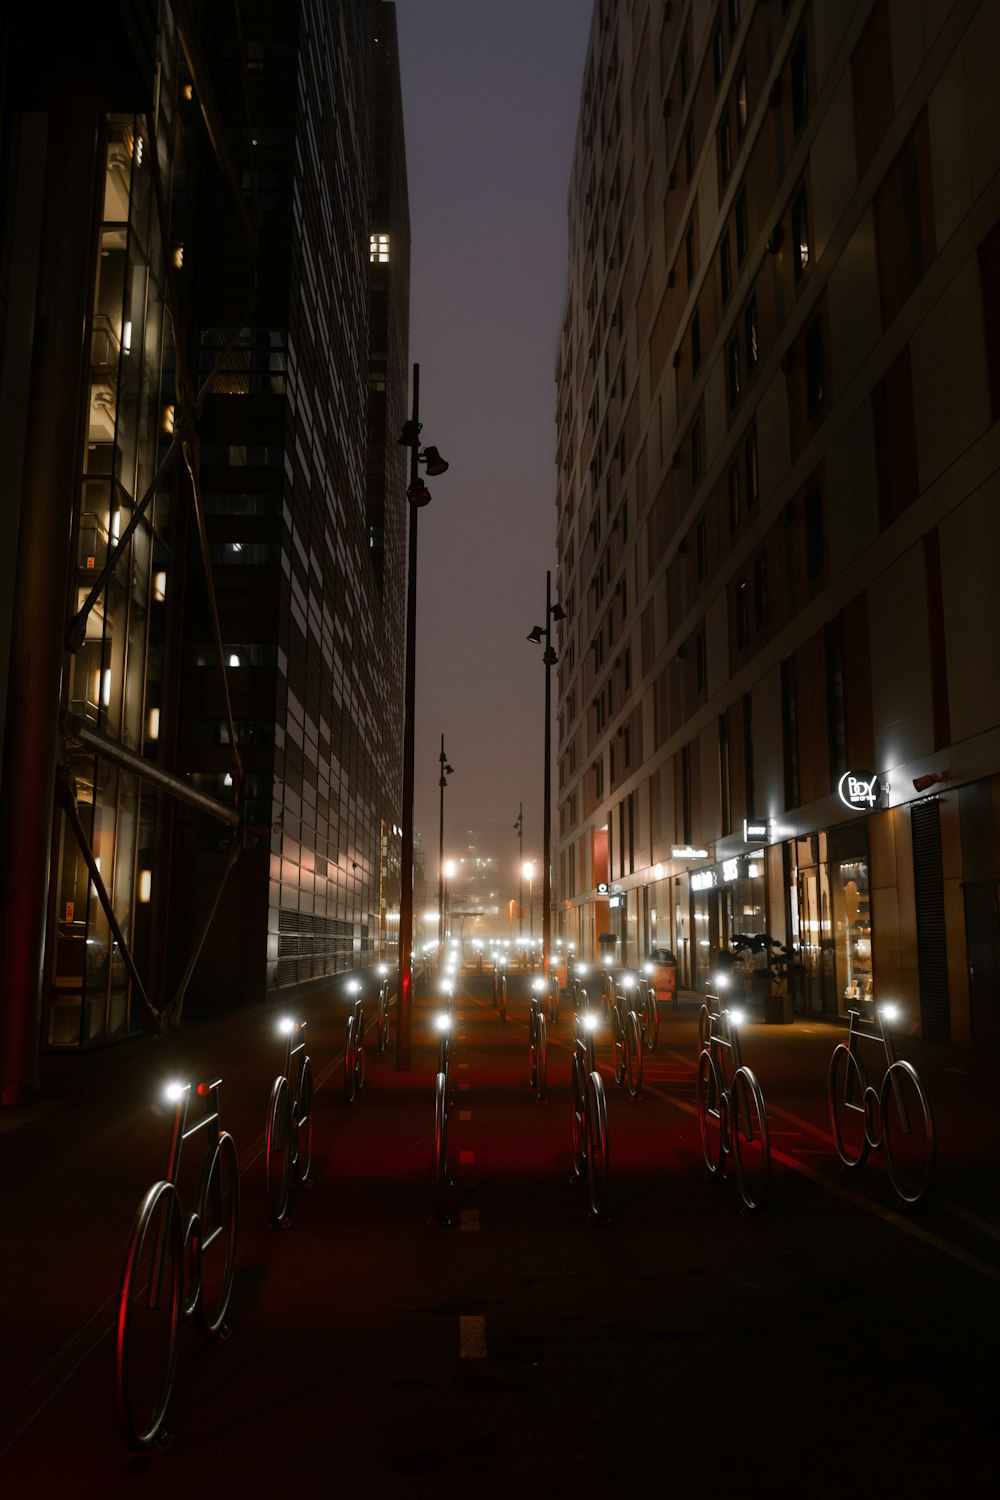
{"type": "Point", "coordinates": [378, 249]}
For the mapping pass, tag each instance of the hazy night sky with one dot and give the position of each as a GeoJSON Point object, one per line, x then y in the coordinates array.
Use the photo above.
{"type": "Point", "coordinates": [491, 94]}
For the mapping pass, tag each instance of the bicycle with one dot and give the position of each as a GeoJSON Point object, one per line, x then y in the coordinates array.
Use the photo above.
{"type": "Point", "coordinates": [384, 1002]}
{"type": "Point", "coordinates": [438, 1215]}
{"type": "Point", "coordinates": [649, 1016]}
{"type": "Point", "coordinates": [589, 1120]}
{"type": "Point", "coordinates": [554, 997]}
{"type": "Point", "coordinates": [731, 1115]}
{"type": "Point", "coordinates": [288, 1139]}
{"type": "Point", "coordinates": [502, 997]}
{"type": "Point", "coordinates": [175, 1270]}
{"type": "Point", "coordinates": [354, 1046]}
{"type": "Point", "coordinates": [537, 1041]}
{"type": "Point", "coordinates": [896, 1116]}
{"type": "Point", "coordinates": [626, 1032]}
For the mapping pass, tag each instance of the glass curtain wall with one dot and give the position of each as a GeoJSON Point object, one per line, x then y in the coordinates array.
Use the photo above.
{"type": "Point", "coordinates": [113, 681]}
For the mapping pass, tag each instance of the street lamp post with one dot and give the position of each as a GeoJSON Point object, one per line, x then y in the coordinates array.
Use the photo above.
{"type": "Point", "coordinates": [528, 872]}
{"type": "Point", "coordinates": [519, 830]}
{"type": "Point", "coordinates": [538, 634]}
{"type": "Point", "coordinates": [446, 771]}
{"type": "Point", "coordinates": [417, 495]}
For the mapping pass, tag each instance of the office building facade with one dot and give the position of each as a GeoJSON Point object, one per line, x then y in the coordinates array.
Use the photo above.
{"type": "Point", "coordinates": [778, 387]}
{"type": "Point", "coordinates": [224, 708]}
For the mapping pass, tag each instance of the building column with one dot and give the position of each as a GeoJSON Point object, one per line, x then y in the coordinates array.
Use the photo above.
{"type": "Point", "coordinates": [52, 463]}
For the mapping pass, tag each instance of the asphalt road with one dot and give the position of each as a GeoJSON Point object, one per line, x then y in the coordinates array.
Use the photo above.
{"type": "Point", "coordinates": [832, 1343]}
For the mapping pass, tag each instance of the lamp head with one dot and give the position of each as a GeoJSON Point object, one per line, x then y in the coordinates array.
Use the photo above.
{"type": "Point", "coordinates": [557, 612]}
{"type": "Point", "coordinates": [537, 635]}
{"type": "Point", "coordinates": [432, 461]}
{"type": "Point", "coordinates": [418, 494]}
{"type": "Point", "coordinates": [410, 435]}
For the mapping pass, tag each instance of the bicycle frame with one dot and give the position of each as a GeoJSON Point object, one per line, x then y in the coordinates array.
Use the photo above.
{"type": "Point", "coordinates": [855, 1035]}
{"type": "Point", "coordinates": [178, 1135]}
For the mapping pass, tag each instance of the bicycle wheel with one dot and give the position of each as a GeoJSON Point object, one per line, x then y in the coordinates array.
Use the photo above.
{"type": "Point", "coordinates": [359, 1056]}
{"type": "Point", "coordinates": [440, 1146]}
{"type": "Point", "coordinates": [541, 1056]}
{"type": "Point", "coordinates": [751, 1139]}
{"type": "Point", "coordinates": [704, 1027]}
{"type": "Point", "coordinates": [302, 1125]}
{"type": "Point", "coordinates": [652, 1020]}
{"type": "Point", "coordinates": [579, 1128]}
{"type": "Point", "coordinates": [618, 1043]}
{"type": "Point", "coordinates": [503, 1001]}
{"type": "Point", "coordinates": [532, 1048]}
{"type": "Point", "coordinates": [907, 1132]}
{"type": "Point", "coordinates": [597, 1145]}
{"type": "Point", "coordinates": [633, 1054]}
{"type": "Point", "coordinates": [350, 1062]}
{"type": "Point", "coordinates": [383, 1022]}
{"type": "Point", "coordinates": [219, 1212]}
{"type": "Point", "coordinates": [278, 1152]}
{"type": "Point", "coordinates": [149, 1319]}
{"type": "Point", "coordinates": [554, 1005]}
{"type": "Point", "coordinates": [711, 1107]}
{"type": "Point", "coordinates": [846, 1091]}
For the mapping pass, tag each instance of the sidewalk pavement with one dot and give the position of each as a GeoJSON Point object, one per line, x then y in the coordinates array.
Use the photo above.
{"type": "Point", "coordinates": [75, 1165]}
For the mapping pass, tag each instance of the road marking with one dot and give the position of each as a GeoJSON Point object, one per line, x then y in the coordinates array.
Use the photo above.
{"type": "Point", "coordinates": [465, 1114]}
{"type": "Point", "coordinates": [463, 1065]}
{"type": "Point", "coordinates": [466, 1158]}
{"type": "Point", "coordinates": [472, 1336]}
{"type": "Point", "coordinates": [465, 1087]}
{"type": "Point", "coordinates": [468, 1218]}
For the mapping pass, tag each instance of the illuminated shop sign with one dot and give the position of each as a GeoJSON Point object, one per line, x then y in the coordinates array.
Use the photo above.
{"type": "Point", "coordinates": [755, 833]}
{"type": "Point", "coordinates": [602, 889]}
{"type": "Point", "coordinates": [862, 790]}
{"type": "Point", "coordinates": [685, 851]}
{"type": "Point", "coordinates": [730, 869]}
{"type": "Point", "coordinates": [615, 901]}
{"type": "Point", "coordinates": [703, 880]}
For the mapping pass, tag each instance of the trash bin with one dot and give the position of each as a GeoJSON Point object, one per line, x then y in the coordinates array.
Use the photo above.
{"type": "Point", "coordinates": [663, 975]}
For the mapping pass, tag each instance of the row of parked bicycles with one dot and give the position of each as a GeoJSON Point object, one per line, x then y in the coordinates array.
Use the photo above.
{"type": "Point", "coordinates": [894, 1117]}
{"type": "Point", "coordinates": [182, 1266]}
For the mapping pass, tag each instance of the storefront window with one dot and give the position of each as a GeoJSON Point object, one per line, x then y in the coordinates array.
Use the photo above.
{"type": "Point", "coordinates": [852, 932]}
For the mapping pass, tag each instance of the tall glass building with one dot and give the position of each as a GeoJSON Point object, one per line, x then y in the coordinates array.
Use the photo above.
{"type": "Point", "coordinates": [223, 710]}
{"type": "Point", "coordinates": [778, 391]}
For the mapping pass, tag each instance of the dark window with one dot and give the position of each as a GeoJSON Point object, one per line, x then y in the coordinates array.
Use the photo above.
{"type": "Point", "coordinates": [748, 750]}
{"type": "Point", "coordinates": [733, 372]}
{"type": "Point", "coordinates": [760, 592]}
{"type": "Point", "coordinates": [813, 508]}
{"type": "Point", "coordinates": [750, 456]}
{"type": "Point", "coordinates": [742, 229]}
{"type": "Point", "coordinates": [790, 732]}
{"type": "Point", "coordinates": [800, 82]}
{"type": "Point", "coordinates": [835, 700]}
{"type": "Point", "coordinates": [685, 64]}
{"type": "Point", "coordinates": [701, 549]}
{"type": "Point", "coordinates": [725, 781]}
{"type": "Point", "coordinates": [689, 251]}
{"type": "Point", "coordinates": [718, 53]}
{"type": "Point", "coordinates": [750, 332]}
{"type": "Point", "coordinates": [742, 614]}
{"type": "Point", "coordinates": [725, 149]}
{"type": "Point", "coordinates": [742, 102]}
{"type": "Point", "coordinates": [689, 151]}
{"type": "Point", "coordinates": [989, 281]}
{"type": "Point", "coordinates": [734, 18]}
{"type": "Point", "coordinates": [800, 233]}
{"type": "Point", "coordinates": [696, 450]}
{"type": "Point", "coordinates": [733, 482]}
{"type": "Point", "coordinates": [700, 663]}
{"type": "Point", "coordinates": [725, 266]}
{"type": "Point", "coordinates": [686, 793]}
{"type": "Point", "coordinates": [813, 351]}
{"type": "Point", "coordinates": [695, 343]}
